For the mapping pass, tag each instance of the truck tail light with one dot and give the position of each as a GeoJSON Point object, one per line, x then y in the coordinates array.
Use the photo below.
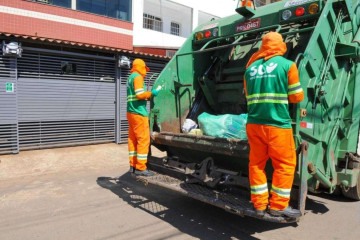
{"type": "Point", "coordinates": [313, 8]}
{"type": "Point", "coordinates": [299, 11]}
{"type": "Point", "coordinates": [286, 15]}
{"type": "Point", "coordinates": [199, 36]}
{"type": "Point", "coordinates": [207, 34]}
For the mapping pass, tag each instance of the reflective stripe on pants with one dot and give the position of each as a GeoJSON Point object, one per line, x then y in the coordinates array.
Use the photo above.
{"type": "Point", "coordinates": [278, 145]}
{"type": "Point", "coordinates": [138, 140]}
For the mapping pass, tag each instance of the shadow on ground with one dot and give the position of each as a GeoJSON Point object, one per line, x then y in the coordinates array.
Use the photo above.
{"type": "Point", "coordinates": [319, 206]}
{"type": "Point", "coordinates": [190, 216]}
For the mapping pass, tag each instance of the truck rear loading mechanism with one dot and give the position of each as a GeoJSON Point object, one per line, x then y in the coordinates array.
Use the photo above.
{"type": "Point", "coordinates": [206, 75]}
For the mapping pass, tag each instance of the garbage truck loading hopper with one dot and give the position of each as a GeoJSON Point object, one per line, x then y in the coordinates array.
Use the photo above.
{"type": "Point", "coordinates": [206, 75]}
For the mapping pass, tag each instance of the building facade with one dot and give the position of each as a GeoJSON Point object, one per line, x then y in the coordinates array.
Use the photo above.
{"type": "Point", "coordinates": [59, 21]}
{"type": "Point", "coordinates": [162, 26]}
{"type": "Point", "coordinates": [62, 69]}
{"type": "Point", "coordinates": [62, 74]}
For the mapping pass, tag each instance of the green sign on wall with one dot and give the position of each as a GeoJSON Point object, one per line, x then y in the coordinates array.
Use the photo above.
{"type": "Point", "coordinates": [9, 87]}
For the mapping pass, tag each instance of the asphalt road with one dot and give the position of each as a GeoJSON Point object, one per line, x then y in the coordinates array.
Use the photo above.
{"type": "Point", "coordinates": [70, 193]}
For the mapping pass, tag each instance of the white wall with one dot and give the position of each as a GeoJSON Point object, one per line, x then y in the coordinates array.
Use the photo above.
{"type": "Point", "coordinates": [205, 17]}
{"type": "Point", "coordinates": [219, 8]}
{"type": "Point", "coordinates": [169, 12]}
{"type": "Point", "coordinates": [188, 13]}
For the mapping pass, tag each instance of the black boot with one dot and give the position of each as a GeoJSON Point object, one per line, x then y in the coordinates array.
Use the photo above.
{"type": "Point", "coordinates": [260, 213]}
{"type": "Point", "coordinates": [288, 212]}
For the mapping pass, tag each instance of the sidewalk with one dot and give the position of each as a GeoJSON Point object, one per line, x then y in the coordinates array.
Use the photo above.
{"type": "Point", "coordinates": [47, 161]}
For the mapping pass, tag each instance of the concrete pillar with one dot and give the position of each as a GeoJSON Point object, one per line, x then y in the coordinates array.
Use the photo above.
{"type": "Point", "coordinates": [195, 17]}
{"type": "Point", "coordinates": [73, 4]}
{"type": "Point", "coordinates": [137, 14]}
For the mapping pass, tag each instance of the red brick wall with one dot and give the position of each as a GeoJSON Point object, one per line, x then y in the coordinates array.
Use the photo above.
{"type": "Point", "coordinates": [155, 51]}
{"type": "Point", "coordinates": [23, 25]}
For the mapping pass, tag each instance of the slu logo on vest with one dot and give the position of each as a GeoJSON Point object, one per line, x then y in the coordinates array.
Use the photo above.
{"type": "Point", "coordinates": [261, 70]}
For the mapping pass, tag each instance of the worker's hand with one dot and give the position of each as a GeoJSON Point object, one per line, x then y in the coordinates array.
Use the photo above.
{"type": "Point", "coordinates": [156, 91]}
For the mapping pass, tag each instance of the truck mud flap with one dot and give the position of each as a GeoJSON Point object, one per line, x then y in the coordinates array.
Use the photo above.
{"type": "Point", "coordinates": [238, 204]}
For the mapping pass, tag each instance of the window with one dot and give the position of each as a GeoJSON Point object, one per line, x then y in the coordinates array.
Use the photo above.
{"type": "Point", "coordinates": [62, 3]}
{"type": "Point", "coordinates": [152, 22]}
{"type": "Point", "coordinates": [98, 7]}
{"type": "Point", "coordinates": [175, 29]}
{"type": "Point", "coordinates": [120, 9]}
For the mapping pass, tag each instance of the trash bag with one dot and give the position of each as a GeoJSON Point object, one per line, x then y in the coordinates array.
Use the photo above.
{"type": "Point", "coordinates": [223, 126]}
{"type": "Point", "coordinates": [188, 125]}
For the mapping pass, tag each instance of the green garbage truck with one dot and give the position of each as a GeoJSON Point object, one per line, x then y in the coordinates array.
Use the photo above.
{"type": "Point", "coordinates": [206, 76]}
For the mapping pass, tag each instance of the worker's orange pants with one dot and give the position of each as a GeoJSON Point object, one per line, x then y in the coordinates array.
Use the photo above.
{"type": "Point", "coordinates": [278, 145]}
{"type": "Point", "coordinates": [138, 140]}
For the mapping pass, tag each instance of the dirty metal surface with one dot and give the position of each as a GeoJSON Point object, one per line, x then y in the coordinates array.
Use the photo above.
{"type": "Point", "coordinates": [234, 201]}
{"type": "Point", "coordinates": [226, 146]}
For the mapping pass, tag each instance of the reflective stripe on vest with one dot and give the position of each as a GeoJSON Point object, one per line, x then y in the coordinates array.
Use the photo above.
{"type": "Point", "coordinates": [294, 88]}
{"type": "Point", "coordinates": [139, 91]}
{"type": "Point", "coordinates": [132, 98]}
{"type": "Point", "coordinates": [267, 98]}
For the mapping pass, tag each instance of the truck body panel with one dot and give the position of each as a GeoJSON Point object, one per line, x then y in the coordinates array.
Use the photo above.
{"type": "Point", "coordinates": [206, 75]}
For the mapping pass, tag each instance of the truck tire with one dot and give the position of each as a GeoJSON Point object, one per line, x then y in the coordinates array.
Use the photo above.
{"type": "Point", "coordinates": [353, 192]}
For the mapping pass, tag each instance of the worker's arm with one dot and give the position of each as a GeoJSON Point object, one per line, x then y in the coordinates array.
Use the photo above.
{"type": "Point", "coordinates": [141, 94]}
{"type": "Point", "coordinates": [295, 91]}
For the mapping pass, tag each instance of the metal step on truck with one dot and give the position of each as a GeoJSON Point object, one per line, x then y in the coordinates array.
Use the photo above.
{"type": "Point", "coordinates": [206, 75]}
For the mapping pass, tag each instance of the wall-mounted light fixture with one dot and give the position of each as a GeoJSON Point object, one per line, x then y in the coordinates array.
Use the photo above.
{"type": "Point", "coordinates": [68, 68]}
{"type": "Point", "coordinates": [124, 62]}
{"type": "Point", "coordinates": [12, 49]}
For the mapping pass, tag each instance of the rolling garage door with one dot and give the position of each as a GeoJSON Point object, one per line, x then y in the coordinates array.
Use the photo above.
{"type": "Point", "coordinates": [8, 105]}
{"type": "Point", "coordinates": [65, 99]}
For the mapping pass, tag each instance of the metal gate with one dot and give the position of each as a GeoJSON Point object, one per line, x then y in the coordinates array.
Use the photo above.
{"type": "Point", "coordinates": [65, 99]}
{"type": "Point", "coordinates": [54, 98]}
{"type": "Point", "coordinates": [8, 106]}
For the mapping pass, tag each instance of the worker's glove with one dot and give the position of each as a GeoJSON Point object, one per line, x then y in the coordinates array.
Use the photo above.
{"type": "Point", "coordinates": [156, 91]}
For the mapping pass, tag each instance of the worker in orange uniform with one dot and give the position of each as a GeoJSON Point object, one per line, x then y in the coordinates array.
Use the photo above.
{"type": "Point", "coordinates": [271, 83]}
{"type": "Point", "coordinates": [137, 116]}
